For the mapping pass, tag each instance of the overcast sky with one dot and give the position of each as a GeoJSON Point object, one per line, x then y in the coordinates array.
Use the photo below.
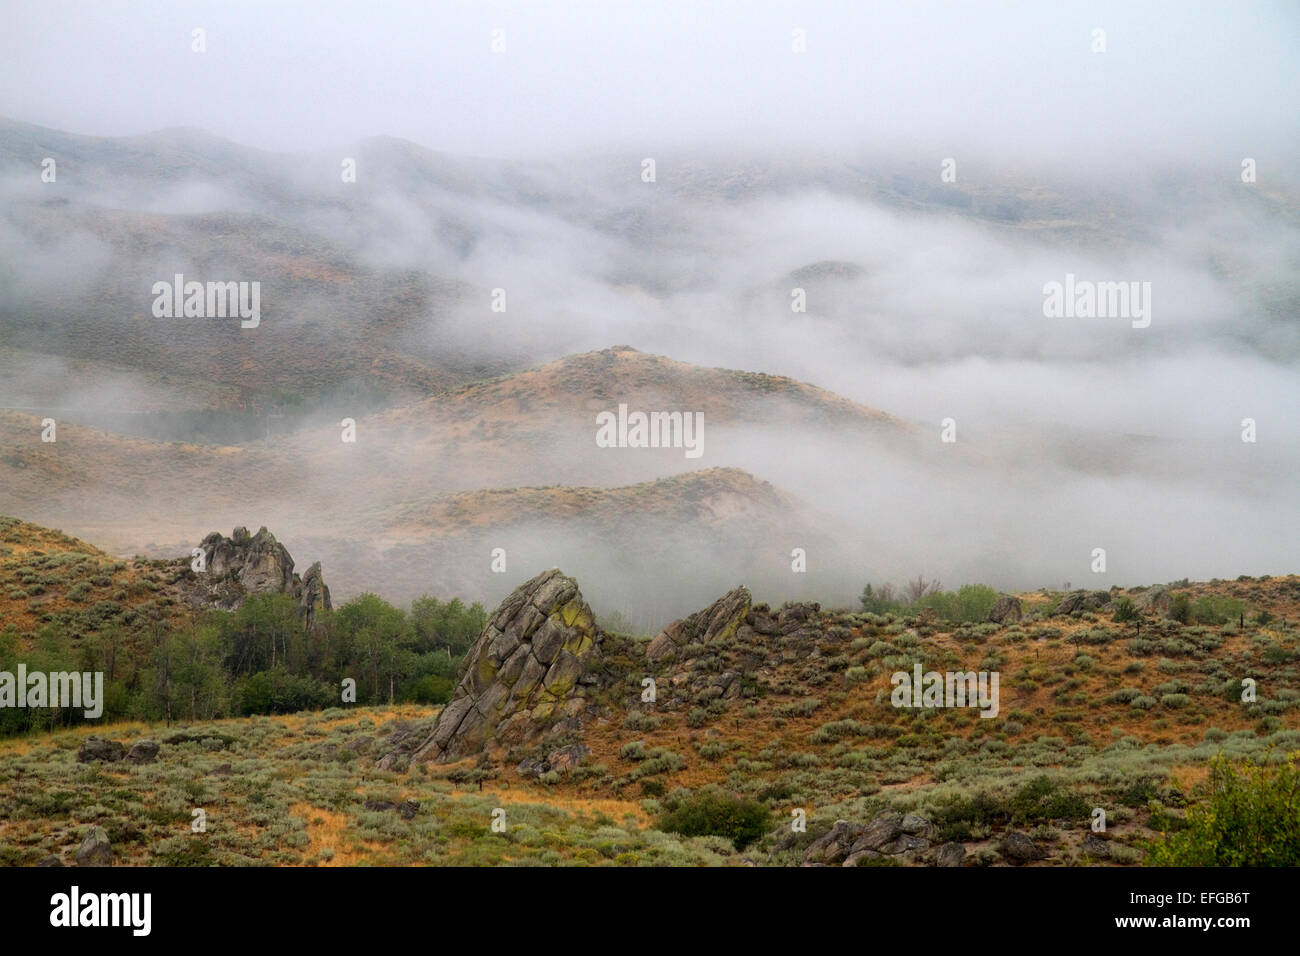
{"type": "Point", "coordinates": [1187, 77]}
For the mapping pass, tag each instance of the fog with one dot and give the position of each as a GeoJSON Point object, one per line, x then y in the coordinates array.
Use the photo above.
{"type": "Point", "coordinates": [774, 172]}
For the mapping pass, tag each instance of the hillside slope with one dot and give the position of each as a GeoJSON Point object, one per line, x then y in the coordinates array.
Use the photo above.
{"type": "Point", "coordinates": [788, 708]}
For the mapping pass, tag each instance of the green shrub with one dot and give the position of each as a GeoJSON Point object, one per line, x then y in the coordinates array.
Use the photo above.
{"type": "Point", "coordinates": [798, 708]}
{"type": "Point", "coordinates": [633, 751]}
{"type": "Point", "coordinates": [712, 811]}
{"type": "Point", "coordinates": [1250, 819]}
{"type": "Point", "coordinates": [960, 817]}
{"type": "Point", "coordinates": [1124, 610]}
{"type": "Point", "coordinates": [638, 722]}
{"type": "Point", "coordinates": [1213, 609]}
{"type": "Point", "coordinates": [1043, 799]}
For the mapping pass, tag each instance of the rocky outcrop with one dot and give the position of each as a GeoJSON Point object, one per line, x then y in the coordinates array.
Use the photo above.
{"type": "Point", "coordinates": [560, 760]}
{"type": "Point", "coordinates": [1083, 601]}
{"type": "Point", "coordinates": [1153, 599]}
{"type": "Point", "coordinates": [1006, 610]}
{"type": "Point", "coordinates": [902, 838]}
{"type": "Point", "coordinates": [720, 621]}
{"type": "Point", "coordinates": [245, 564]}
{"type": "Point", "coordinates": [259, 562]}
{"type": "Point", "coordinates": [530, 665]}
{"type": "Point", "coordinates": [97, 749]}
{"type": "Point", "coordinates": [315, 596]}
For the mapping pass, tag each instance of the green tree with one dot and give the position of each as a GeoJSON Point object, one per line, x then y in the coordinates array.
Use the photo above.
{"type": "Point", "coordinates": [879, 600]}
{"type": "Point", "coordinates": [375, 631]}
{"type": "Point", "coordinates": [257, 636]}
{"type": "Point", "coordinates": [449, 626]}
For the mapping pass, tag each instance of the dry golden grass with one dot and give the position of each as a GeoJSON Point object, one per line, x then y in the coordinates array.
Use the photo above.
{"type": "Point", "coordinates": [328, 830]}
{"type": "Point", "coordinates": [557, 799]}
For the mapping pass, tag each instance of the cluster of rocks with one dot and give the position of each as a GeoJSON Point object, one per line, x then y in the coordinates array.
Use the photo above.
{"type": "Point", "coordinates": [96, 749]}
{"type": "Point", "coordinates": [406, 809]}
{"type": "Point", "coordinates": [747, 637]}
{"type": "Point", "coordinates": [907, 838]}
{"type": "Point", "coordinates": [1084, 601]}
{"type": "Point", "coordinates": [95, 850]}
{"type": "Point", "coordinates": [245, 564]}
{"type": "Point", "coordinates": [560, 760]}
{"type": "Point", "coordinates": [912, 839]}
{"type": "Point", "coordinates": [528, 672]}
{"type": "Point", "coordinates": [734, 617]}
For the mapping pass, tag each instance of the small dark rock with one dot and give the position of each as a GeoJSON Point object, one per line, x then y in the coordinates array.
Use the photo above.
{"type": "Point", "coordinates": [95, 849]}
{"type": "Point", "coordinates": [950, 854]}
{"type": "Point", "coordinates": [1094, 845]}
{"type": "Point", "coordinates": [97, 748]}
{"type": "Point", "coordinates": [1019, 848]}
{"type": "Point", "coordinates": [143, 751]}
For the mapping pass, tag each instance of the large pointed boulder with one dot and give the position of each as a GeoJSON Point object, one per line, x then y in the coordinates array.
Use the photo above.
{"type": "Point", "coordinates": [526, 666]}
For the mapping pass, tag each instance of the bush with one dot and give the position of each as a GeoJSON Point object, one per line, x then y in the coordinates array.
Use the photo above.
{"type": "Point", "coordinates": [1043, 799]}
{"type": "Point", "coordinates": [714, 812]}
{"type": "Point", "coordinates": [430, 689]}
{"type": "Point", "coordinates": [1212, 609]}
{"type": "Point", "coordinates": [798, 708]}
{"type": "Point", "coordinates": [1250, 819]}
{"type": "Point", "coordinates": [635, 750]}
{"type": "Point", "coordinates": [1124, 610]}
{"type": "Point", "coordinates": [1180, 608]}
{"type": "Point", "coordinates": [959, 817]}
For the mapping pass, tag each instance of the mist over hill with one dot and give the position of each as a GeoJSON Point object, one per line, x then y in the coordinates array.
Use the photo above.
{"type": "Point", "coordinates": [462, 311]}
{"type": "Point", "coordinates": [834, 241]}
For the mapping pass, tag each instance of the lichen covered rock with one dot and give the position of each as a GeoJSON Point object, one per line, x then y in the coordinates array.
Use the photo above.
{"type": "Point", "coordinates": [720, 621]}
{"type": "Point", "coordinates": [245, 564]}
{"type": "Point", "coordinates": [525, 667]}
